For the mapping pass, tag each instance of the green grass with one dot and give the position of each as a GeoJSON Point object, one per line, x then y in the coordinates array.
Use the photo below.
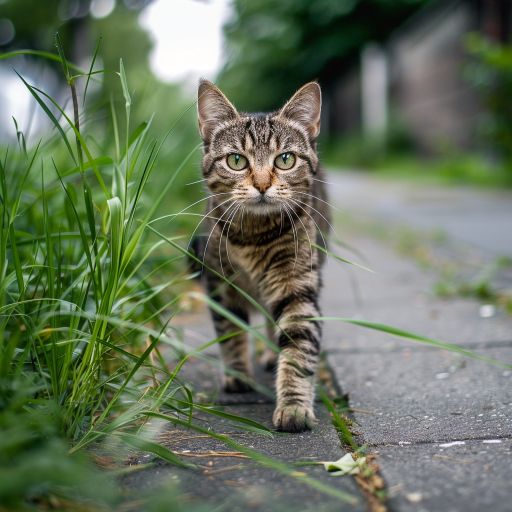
{"type": "Point", "coordinates": [92, 275]}
{"type": "Point", "coordinates": [448, 167]}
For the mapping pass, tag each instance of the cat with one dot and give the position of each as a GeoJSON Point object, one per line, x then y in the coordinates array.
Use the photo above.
{"type": "Point", "coordinates": [266, 211]}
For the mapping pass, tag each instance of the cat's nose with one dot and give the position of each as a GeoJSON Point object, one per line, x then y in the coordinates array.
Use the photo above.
{"type": "Point", "coordinates": [262, 187]}
{"type": "Point", "coordinates": [262, 182]}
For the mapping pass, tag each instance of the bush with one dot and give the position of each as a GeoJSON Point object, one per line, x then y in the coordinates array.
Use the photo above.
{"type": "Point", "coordinates": [491, 73]}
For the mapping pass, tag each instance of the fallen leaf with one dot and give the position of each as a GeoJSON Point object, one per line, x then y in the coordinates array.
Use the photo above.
{"type": "Point", "coordinates": [347, 465]}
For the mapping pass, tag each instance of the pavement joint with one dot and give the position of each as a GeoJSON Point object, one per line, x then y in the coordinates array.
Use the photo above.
{"type": "Point", "coordinates": [416, 347]}
{"type": "Point", "coordinates": [428, 442]}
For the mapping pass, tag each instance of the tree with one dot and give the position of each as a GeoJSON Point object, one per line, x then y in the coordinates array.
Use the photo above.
{"type": "Point", "coordinates": [273, 47]}
{"type": "Point", "coordinates": [122, 36]}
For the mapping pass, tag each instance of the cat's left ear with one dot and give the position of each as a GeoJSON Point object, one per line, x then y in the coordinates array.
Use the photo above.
{"type": "Point", "coordinates": [213, 108]}
{"type": "Point", "coordinates": [304, 107]}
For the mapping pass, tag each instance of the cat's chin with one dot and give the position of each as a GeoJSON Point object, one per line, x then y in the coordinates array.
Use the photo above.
{"type": "Point", "coordinates": [265, 207]}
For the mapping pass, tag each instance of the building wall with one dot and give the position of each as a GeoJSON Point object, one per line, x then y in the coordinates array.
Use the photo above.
{"type": "Point", "coordinates": [345, 104]}
{"type": "Point", "coordinates": [428, 91]}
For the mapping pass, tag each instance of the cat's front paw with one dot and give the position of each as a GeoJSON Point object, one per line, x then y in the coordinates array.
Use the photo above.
{"type": "Point", "coordinates": [236, 385]}
{"type": "Point", "coordinates": [293, 418]}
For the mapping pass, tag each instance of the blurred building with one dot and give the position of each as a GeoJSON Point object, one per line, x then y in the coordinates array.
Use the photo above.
{"type": "Point", "coordinates": [417, 79]}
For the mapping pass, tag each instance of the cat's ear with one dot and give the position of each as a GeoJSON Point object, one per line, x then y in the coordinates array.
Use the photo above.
{"type": "Point", "coordinates": [213, 108]}
{"type": "Point", "coordinates": [304, 108]}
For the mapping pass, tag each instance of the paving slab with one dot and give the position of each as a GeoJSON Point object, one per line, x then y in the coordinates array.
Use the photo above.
{"type": "Point", "coordinates": [389, 277]}
{"type": "Point", "coordinates": [408, 399]}
{"type": "Point", "coordinates": [234, 483]}
{"type": "Point", "coordinates": [478, 217]}
{"type": "Point", "coordinates": [446, 477]}
{"type": "Point", "coordinates": [208, 388]}
{"type": "Point", "coordinates": [401, 296]}
{"type": "Point", "coordinates": [427, 396]}
{"type": "Point", "coordinates": [439, 423]}
{"type": "Point", "coordinates": [454, 321]}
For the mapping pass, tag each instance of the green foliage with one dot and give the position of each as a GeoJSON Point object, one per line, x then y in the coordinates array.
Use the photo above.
{"type": "Point", "coordinates": [275, 47]}
{"type": "Point", "coordinates": [120, 32]}
{"type": "Point", "coordinates": [37, 30]}
{"type": "Point", "coordinates": [34, 459]}
{"type": "Point", "coordinates": [486, 285]}
{"type": "Point", "coordinates": [450, 168]}
{"type": "Point", "coordinates": [491, 73]}
{"type": "Point", "coordinates": [81, 312]}
{"type": "Point", "coordinates": [86, 296]}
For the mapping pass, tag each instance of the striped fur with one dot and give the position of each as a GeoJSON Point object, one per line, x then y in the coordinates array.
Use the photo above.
{"type": "Point", "coordinates": [262, 222]}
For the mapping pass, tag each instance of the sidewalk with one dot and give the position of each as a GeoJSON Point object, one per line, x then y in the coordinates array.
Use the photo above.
{"type": "Point", "coordinates": [439, 423]}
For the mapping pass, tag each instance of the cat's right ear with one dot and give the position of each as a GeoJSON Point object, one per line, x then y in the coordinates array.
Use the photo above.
{"type": "Point", "coordinates": [213, 108]}
{"type": "Point", "coordinates": [304, 108]}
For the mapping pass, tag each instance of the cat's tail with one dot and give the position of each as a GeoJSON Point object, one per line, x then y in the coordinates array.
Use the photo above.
{"type": "Point", "coordinates": [195, 257]}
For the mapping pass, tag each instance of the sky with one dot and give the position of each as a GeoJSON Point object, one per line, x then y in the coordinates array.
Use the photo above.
{"type": "Point", "coordinates": [188, 44]}
{"type": "Point", "coordinates": [188, 37]}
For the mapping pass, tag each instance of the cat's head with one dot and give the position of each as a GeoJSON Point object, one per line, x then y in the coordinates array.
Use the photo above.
{"type": "Point", "coordinates": [260, 160]}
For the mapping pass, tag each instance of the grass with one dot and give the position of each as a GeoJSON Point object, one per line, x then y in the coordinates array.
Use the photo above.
{"type": "Point", "coordinates": [457, 274]}
{"type": "Point", "coordinates": [368, 479]}
{"type": "Point", "coordinates": [484, 285]}
{"type": "Point", "coordinates": [448, 167]}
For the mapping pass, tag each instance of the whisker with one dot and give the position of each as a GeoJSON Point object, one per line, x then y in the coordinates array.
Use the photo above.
{"type": "Point", "coordinates": [312, 218]}
{"type": "Point", "coordinates": [326, 182]}
{"type": "Point", "coordinates": [334, 236]}
{"type": "Point", "coordinates": [296, 241]}
{"type": "Point", "coordinates": [227, 234]}
{"type": "Point", "coordinates": [188, 207]}
{"type": "Point", "coordinates": [307, 235]}
{"type": "Point", "coordinates": [206, 215]}
{"type": "Point", "coordinates": [319, 213]}
{"type": "Point", "coordinates": [213, 229]}
{"type": "Point", "coordinates": [242, 221]}
{"type": "Point", "coordinates": [319, 199]}
{"type": "Point", "coordinates": [197, 181]}
{"type": "Point", "coordinates": [235, 207]}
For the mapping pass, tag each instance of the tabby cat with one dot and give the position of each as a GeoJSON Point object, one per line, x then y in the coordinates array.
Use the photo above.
{"type": "Point", "coordinates": [266, 208]}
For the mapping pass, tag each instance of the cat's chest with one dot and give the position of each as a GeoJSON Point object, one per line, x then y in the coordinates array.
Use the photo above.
{"type": "Point", "coordinates": [246, 258]}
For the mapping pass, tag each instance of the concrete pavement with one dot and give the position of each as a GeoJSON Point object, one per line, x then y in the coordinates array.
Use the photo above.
{"type": "Point", "coordinates": [440, 423]}
{"type": "Point", "coordinates": [480, 218]}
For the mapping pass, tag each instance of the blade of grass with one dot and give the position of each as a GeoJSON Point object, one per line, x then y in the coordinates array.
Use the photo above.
{"type": "Point", "coordinates": [388, 329]}
{"type": "Point", "coordinates": [339, 258]}
{"type": "Point", "coordinates": [156, 449]}
{"type": "Point", "coordinates": [50, 115]}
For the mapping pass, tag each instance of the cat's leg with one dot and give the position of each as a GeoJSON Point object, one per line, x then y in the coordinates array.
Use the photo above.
{"type": "Point", "coordinates": [235, 350]}
{"type": "Point", "coordinates": [293, 302]}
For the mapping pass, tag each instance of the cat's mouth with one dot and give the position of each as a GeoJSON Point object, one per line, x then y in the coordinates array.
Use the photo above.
{"type": "Point", "coordinates": [263, 204]}
{"type": "Point", "coordinates": [261, 199]}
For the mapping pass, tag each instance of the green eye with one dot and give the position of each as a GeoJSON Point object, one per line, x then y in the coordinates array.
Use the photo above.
{"type": "Point", "coordinates": [237, 162]}
{"type": "Point", "coordinates": [285, 161]}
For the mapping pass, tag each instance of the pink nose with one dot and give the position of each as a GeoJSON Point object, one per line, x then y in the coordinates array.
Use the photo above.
{"type": "Point", "coordinates": [262, 186]}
